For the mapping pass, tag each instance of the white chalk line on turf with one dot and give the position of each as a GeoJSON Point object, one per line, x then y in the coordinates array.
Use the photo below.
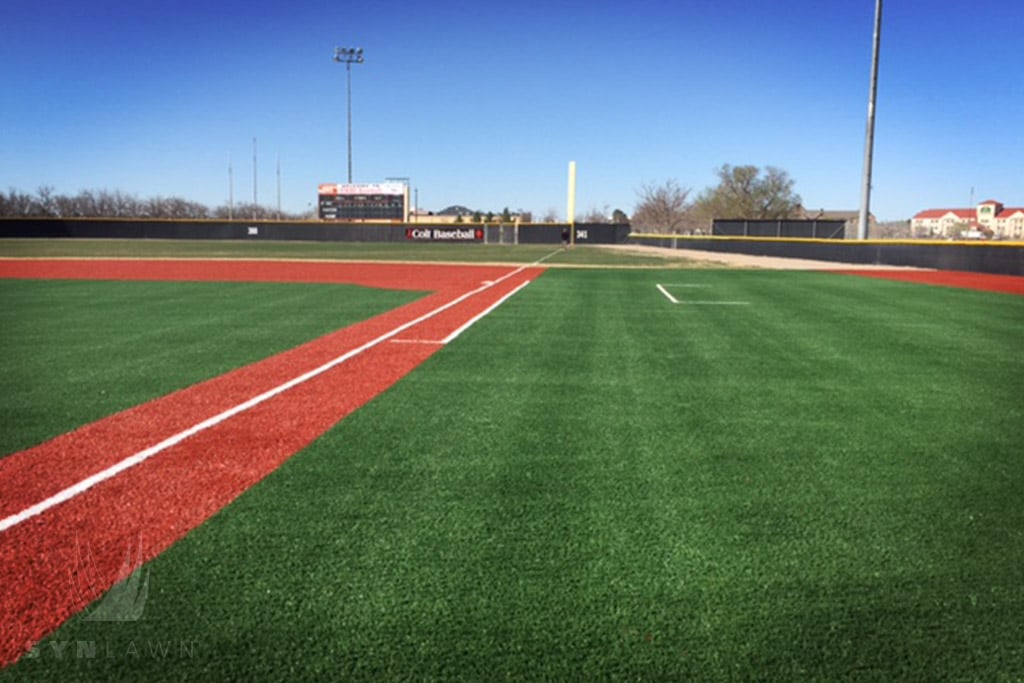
{"type": "Point", "coordinates": [454, 335]}
{"type": "Point", "coordinates": [690, 302]}
{"type": "Point", "coordinates": [667, 295]}
{"type": "Point", "coordinates": [472, 321]}
{"type": "Point", "coordinates": [143, 455]}
{"type": "Point", "coordinates": [714, 303]}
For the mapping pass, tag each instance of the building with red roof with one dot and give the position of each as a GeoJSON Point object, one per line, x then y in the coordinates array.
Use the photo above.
{"type": "Point", "coordinates": [988, 219]}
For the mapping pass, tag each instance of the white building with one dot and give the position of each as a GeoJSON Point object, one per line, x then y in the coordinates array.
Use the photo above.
{"type": "Point", "coordinates": [988, 219]}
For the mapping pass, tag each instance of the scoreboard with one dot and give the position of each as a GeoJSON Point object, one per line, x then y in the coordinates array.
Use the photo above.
{"type": "Point", "coordinates": [363, 201]}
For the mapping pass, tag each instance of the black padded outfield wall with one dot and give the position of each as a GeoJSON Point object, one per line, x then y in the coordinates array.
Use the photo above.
{"type": "Point", "coordinates": [809, 229]}
{"type": "Point", "coordinates": [980, 257]}
{"type": "Point", "coordinates": [585, 233]}
{"type": "Point", "coordinates": [202, 230]}
{"type": "Point", "coordinates": [309, 231]}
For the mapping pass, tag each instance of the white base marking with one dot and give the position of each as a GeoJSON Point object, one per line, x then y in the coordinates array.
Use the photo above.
{"type": "Point", "coordinates": [714, 303]}
{"type": "Point", "coordinates": [667, 295]}
{"type": "Point", "coordinates": [674, 300]}
{"type": "Point", "coordinates": [143, 455]}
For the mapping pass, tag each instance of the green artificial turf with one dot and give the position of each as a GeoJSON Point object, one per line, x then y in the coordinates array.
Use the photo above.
{"type": "Point", "coordinates": [75, 351]}
{"type": "Point", "coordinates": [593, 483]}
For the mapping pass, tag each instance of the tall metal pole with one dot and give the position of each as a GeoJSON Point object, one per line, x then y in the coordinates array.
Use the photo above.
{"type": "Point", "coordinates": [869, 143]}
{"type": "Point", "coordinates": [348, 100]}
{"type": "Point", "coordinates": [349, 56]}
{"type": "Point", "coordinates": [255, 200]}
{"type": "Point", "coordinates": [231, 191]}
{"type": "Point", "coordinates": [570, 209]}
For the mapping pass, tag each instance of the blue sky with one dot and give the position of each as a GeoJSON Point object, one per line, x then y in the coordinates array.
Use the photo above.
{"type": "Point", "coordinates": [484, 104]}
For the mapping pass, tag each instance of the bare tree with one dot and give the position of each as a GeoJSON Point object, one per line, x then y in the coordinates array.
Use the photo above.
{"type": "Point", "coordinates": [663, 208]}
{"type": "Point", "coordinates": [117, 204]}
{"type": "Point", "coordinates": [45, 203]}
{"type": "Point", "coordinates": [550, 216]}
{"type": "Point", "coordinates": [596, 215]}
{"type": "Point", "coordinates": [89, 203]}
{"type": "Point", "coordinates": [66, 207]}
{"type": "Point", "coordinates": [16, 203]}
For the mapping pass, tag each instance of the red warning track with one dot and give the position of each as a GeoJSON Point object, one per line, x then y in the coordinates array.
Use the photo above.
{"type": "Point", "coordinates": [159, 500]}
{"type": "Point", "coordinates": [1007, 284]}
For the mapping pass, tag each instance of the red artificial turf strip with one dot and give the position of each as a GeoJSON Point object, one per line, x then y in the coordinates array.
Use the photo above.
{"type": "Point", "coordinates": [158, 501]}
{"type": "Point", "coordinates": [986, 282]}
{"type": "Point", "coordinates": [138, 428]}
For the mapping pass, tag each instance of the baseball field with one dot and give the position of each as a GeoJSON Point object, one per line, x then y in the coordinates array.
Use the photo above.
{"type": "Point", "coordinates": [459, 462]}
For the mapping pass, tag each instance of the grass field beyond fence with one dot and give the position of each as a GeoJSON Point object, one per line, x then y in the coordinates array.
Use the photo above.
{"type": "Point", "coordinates": [823, 481]}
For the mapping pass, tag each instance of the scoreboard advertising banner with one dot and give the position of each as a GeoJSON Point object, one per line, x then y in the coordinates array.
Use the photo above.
{"type": "Point", "coordinates": [445, 234]}
{"type": "Point", "coordinates": [363, 201]}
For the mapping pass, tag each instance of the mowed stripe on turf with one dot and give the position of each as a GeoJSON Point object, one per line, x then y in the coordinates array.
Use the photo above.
{"type": "Point", "coordinates": [158, 502]}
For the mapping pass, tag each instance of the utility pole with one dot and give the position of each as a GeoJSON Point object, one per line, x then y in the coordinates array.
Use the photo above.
{"type": "Point", "coordinates": [869, 143]}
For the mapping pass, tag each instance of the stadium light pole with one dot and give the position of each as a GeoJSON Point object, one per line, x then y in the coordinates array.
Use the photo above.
{"type": "Point", "coordinates": [349, 56]}
{"type": "Point", "coordinates": [869, 142]}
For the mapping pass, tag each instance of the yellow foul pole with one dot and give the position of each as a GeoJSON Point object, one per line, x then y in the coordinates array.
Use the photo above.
{"type": "Point", "coordinates": [570, 216]}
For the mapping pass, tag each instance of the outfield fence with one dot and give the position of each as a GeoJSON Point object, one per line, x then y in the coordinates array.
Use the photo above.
{"type": "Point", "coordinates": [801, 229]}
{"type": "Point", "coordinates": [998, 258]}
{"type": "Point", "coordinates": [310, 231]}
{"type": "Point", "coordinates": [1002, 258]}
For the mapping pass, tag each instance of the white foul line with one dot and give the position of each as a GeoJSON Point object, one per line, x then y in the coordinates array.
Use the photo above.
{"type": "Point", "coordinates": [143, 455]}
{"type": "Point", "coordinates": [451, 337]}
{"type": "Point", "coordinates": [667, 295]}
{"type": "Point", "coordinates": [674, 300]}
